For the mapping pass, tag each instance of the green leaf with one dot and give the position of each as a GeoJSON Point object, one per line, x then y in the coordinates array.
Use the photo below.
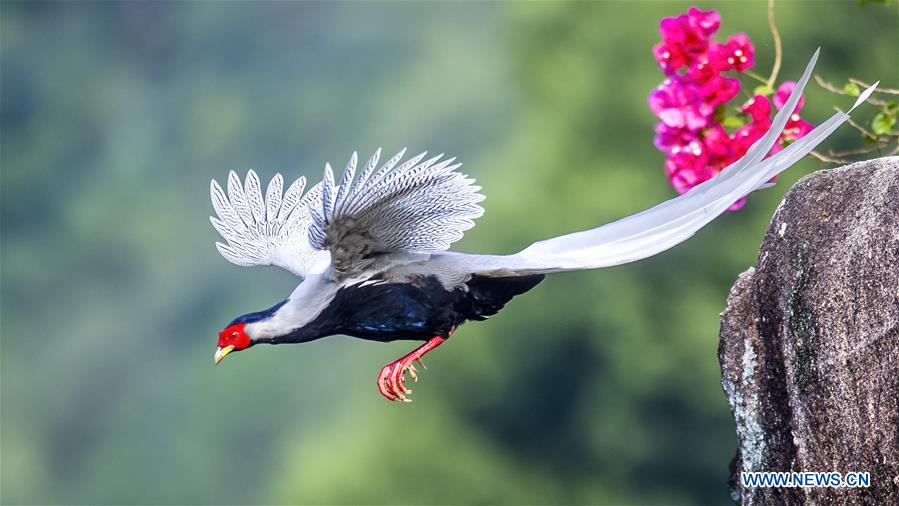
{"type": "Point", "coordinates": [883, 123]}
{"type": "Point", "coordinates": [852, 89]}
{"type": "Point", "coordinates": [763, 90]}
{"type": "Point", "coordinates": [732, 122]}
{"type": "Point", "coordinates": [720, 113]}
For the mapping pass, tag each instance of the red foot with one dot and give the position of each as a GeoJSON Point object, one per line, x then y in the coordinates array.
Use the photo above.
{"type": "Point", "coordinates": [393, 375]}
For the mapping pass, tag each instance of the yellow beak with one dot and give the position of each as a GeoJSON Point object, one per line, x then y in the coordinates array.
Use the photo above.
{"type": "Point", "coordinates": [221, 352]}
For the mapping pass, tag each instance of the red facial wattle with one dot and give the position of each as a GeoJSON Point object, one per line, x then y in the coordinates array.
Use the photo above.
{"type": "Point", "coordinates": [230, 339]}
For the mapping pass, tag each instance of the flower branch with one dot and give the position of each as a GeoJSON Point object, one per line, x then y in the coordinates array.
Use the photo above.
{"type": "Point", "coordinates": [778, 46]}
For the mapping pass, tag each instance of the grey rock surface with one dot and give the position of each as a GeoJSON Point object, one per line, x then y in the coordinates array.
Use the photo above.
{"type": "Point", "coordinates": [809, 345]}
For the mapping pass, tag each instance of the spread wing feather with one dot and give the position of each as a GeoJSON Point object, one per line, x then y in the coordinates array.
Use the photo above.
{"type": "Point", "coordinates": [419, 205]}
{"type": "Point", "coordinates": [269, 231]}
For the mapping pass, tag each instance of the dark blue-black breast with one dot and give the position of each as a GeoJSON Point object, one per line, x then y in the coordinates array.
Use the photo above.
{"type": "Point", "coordinates": [417, 310]}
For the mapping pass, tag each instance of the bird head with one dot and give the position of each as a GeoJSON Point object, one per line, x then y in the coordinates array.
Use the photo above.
{"type": "Point", "coordinates": [231, 338]}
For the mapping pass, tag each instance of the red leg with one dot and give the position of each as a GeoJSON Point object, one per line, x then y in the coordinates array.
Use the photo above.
{"type": "Point", "coordinates": [392, 378]}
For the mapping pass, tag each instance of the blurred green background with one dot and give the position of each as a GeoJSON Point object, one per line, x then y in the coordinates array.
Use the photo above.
{"type": "Point", "coordinates": [596, 387]}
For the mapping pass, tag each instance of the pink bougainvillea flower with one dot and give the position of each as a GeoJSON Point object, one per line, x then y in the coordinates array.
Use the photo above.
{"type": "Point", "coordinates": [691, 102]}
{"type": "Point", "coordinates": [712, 85]}
{"type": "Point", "coordinates": [783, 93]}
{"type": "Point", "coordinates": [701, 71]}
{"type": "Point", "coordinates": [684, 180]}
{"type": "Point", "coordinates": [684, 38]}
{"type": "Point", "coordinates": [677, 32]}
{"type": "Point", "coordinates": [722, 151]}
{"type": "Point", "coordinates": [720, 89]}
{"type": "Point", "coordinates": [719, 146]}
{"type": "Point", "coordinates": [758, 108]}
{"type": "Point", "coordinates": [670, 57]}
{"type": "Point", "coordinates": [746, 135]}
{"type": "Point", "coordinates": [679, 105]}
{"type": "Point", "coordinates": [796, 127]}
{"type": "Point", "coordinates": [667, 137]}
{"type": "Point", "coordinates": [687, 166]}
{"type": "Point", "coordinates": [737, 205]}
{"type": "Point", "coordinates": [737, 54]}
{"type": "Point", "coordinates": [706, 22]}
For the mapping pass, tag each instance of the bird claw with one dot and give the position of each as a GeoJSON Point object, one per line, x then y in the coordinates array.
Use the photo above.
{"type": "Point", "coordinates": [392, 379]}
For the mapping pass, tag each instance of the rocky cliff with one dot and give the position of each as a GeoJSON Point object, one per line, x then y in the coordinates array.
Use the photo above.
{"type": "Point", "coordinates": [809, 346]}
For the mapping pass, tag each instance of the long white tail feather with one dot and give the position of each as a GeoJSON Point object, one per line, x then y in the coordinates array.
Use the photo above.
{"type": "Point", "coordinates": [646, 222]}
{"type": "Point", "coordinates": [661, 227]}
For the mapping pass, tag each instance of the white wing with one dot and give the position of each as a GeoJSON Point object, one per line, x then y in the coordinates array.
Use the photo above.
{"type": "Point", "coordinates": [419, 205]}
{"type": "Point", "coordinates": [266, 232]}
{"type": "Point", "coordinates": [661, 227]}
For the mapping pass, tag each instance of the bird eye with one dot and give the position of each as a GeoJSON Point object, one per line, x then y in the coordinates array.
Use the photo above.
{"type": "Point", "coordinates": [234, 335]}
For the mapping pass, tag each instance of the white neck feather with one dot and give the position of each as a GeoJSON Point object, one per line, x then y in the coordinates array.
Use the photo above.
{"type": "Point", "coordinates": [306, 302]}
